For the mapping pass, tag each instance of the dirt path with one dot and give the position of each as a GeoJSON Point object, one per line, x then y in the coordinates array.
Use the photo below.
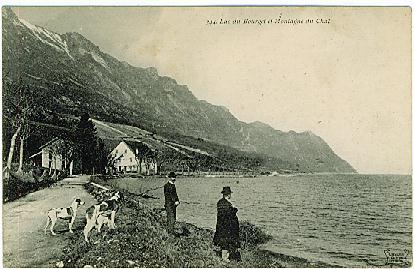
{"type": "Point", "coordinates": [24, 241]}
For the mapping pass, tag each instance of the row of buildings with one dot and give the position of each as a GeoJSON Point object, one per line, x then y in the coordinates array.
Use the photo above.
{"type": "Point", "coordinates": [127, 156]}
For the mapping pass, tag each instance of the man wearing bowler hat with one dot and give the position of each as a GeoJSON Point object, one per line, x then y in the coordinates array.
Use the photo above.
{"type": "Point", "coordinates": [227, 228]}
{"type": "Point", "coordinates": [171, 201]}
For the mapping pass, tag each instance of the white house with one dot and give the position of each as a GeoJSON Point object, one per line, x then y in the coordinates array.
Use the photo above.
{"type": "Point", "coordinates": [134, 156]}
{"type": "Point", "coordinates": [54, 155]}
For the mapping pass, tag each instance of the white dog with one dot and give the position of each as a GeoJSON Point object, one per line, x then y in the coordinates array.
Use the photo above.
{"type": "Point", "coordinates": [100, 214]}
{"type": "Point", "coordinates": [68, 213]}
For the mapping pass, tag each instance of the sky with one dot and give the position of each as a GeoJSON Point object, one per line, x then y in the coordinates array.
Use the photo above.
{"type": "Point", "coordinates": [348, 81]}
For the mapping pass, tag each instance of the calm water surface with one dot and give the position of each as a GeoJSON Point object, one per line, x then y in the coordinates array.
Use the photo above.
{"type": "Point", "coordinates": [346, 220]}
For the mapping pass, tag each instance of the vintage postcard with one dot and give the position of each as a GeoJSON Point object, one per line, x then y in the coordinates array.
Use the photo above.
{"type": "Point", "coordinates": [214, 136]}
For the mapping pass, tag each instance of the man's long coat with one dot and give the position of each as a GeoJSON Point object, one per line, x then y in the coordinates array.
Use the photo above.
{"type": "Point", "coordinates": [227, 228]}
{"type": "Point", "coordinates": [170, 195]}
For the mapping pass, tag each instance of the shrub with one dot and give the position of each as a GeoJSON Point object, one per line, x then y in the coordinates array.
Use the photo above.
{"type": "Point", "coordinates": [251, 235]}
{"type": "Point", "coordinates": [32, 179]}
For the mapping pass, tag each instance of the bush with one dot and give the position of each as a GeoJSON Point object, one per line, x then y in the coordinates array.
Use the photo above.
{"type": "Point", "coordinates": [32, 179]}
{"type": "Point", "coordinates": [251, 235]}
{"type": "Point", "coordinates": [37, 173]}
{"type": "Point", "coordinates": [14, 188]}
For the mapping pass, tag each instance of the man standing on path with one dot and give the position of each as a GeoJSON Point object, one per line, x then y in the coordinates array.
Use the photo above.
{"type": "Point", "coordinates": [171, 202]}
{"type": "Point", "coordinates": [227, 229]}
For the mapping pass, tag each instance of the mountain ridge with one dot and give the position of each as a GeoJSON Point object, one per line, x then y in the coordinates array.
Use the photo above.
{"type": "Point", "coordinates": [72, 74]}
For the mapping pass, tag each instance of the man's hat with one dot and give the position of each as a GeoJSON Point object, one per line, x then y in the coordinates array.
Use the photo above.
{"type": "Point", "coordinates": [226, 190]}
{"type": "Point", "coordinates": [172, 175]}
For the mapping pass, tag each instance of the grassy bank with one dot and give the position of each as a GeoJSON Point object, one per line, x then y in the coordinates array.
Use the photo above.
{"type": "Point", "coordinates": [140, 240]}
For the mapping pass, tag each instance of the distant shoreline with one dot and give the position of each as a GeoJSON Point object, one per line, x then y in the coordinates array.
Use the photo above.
{"type": "Point", "coordinates": [227, 174]}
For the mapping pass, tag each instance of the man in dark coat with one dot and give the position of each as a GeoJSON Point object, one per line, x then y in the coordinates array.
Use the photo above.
{"type": "Point", "coordinates": [227, 228]}
{"type": "Point", "coordinates": [171, 202]}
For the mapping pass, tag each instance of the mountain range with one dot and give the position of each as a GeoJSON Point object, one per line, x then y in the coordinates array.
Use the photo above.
{"type": "Point", "coordinates": [67, 74]}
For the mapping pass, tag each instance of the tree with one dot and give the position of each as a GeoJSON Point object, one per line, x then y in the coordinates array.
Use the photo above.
{"type": "Point", "coordinates": [11, 152]}
{"type": "Point", "coordinates": [64, 150]}
{"type": "Point", "coordinates": [103, 157]}
{"type": "Point", "coordinates": [68, 154]}
{"type": "Point", "coordinates": [145, 154]}
{"type": "Point", "coordinates": [24, 134]}
{"type": "Point", "coordinates": [19, 118]}
{"type": "Point", "coordinates": [168, 159]}
{"type": "Point", "coordinates": [86, 141]}
{"type": "Point", "coordinates": [110, 163]}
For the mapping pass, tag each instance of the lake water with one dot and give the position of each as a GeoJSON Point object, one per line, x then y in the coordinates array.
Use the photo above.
{"type": "Point", "coordinates": [345, 220]}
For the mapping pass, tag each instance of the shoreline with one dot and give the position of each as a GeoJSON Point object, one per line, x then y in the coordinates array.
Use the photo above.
{"type": "Point", "coordinates": [140, 240]}
{"type": "Point", "coordinates": [229, 174]}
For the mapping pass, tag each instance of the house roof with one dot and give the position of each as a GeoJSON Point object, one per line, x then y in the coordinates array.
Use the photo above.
{"type": "Point", "coordinates": [138, 144]}
{"type": "Point", "coordinates": [148, 142]}
{"type": "Point", "coordinates": [50, 142]}
{"type": "Point", "coordinates": [111, 143]}
{"type": "Point", "coordinates": [133, 144]}
{"type": "Point", "coordinates": [36, 154]}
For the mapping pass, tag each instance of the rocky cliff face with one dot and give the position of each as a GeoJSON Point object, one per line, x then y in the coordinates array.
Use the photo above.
{"type": "Point", "coordinates": [68, 74]}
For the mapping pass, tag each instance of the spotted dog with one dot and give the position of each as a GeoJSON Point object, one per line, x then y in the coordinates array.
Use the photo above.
{"type": "Point", "coordinates": [68, 213]}
{"type": "Point", "coordinates": [100, 214]}
{"type": "Point", "coordinates": [92, 214]}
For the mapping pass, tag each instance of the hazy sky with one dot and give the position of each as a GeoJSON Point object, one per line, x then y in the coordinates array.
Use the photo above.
{"type": "Point", "coordinates": [348, 81]}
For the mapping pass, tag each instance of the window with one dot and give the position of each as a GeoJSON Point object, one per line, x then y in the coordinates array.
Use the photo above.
{"type": "Point", "coordinates": [126, 151]}
{"type": "Point", "coordinates": [130, 159]}
{"type": "Point", "coordinates": [116, 151]}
